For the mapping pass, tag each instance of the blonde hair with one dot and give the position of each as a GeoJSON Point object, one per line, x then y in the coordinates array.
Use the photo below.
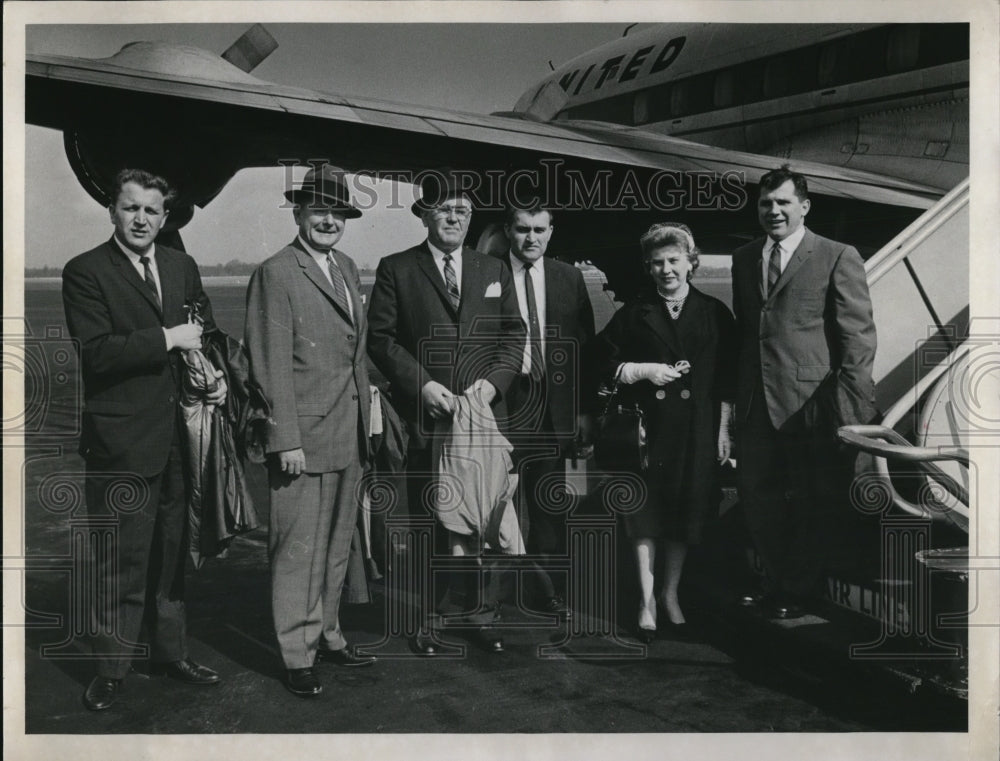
{"type": "Point", "coordinates": [664, 234]}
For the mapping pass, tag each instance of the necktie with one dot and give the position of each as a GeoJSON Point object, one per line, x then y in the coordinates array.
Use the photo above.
{"type": "Point", "coordinates": [773, 268]}
{"type": "Point", "coordinates": [339, 286]}
{"type": "Point", "coordinates": [150, 280]}
{"type": "Point", "coordinates": [451, 282]}
{"type": "Point", "coordinates": [534, 329]}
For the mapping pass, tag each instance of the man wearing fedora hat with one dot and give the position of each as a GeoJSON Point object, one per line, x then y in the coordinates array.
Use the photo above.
{"type": "Point", "coordinates": [444, 321]}
{"type": "Point", "coordinates": [305, 333]}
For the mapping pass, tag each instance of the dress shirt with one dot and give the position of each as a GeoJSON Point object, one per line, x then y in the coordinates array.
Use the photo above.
{"type": "Point", "coordinates": [788, 246]}
{"type": "Point", "coordinates": [320, 258]}
{"type": "Point", "coordinates": [136, 261]}
{"type": "Point", "coordinates": [538, 283]}
{"type": "Point", "coordinates": [456, 263]}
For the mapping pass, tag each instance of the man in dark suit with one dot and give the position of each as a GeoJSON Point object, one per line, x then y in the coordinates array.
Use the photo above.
{"type": "Point", "coordinates": [125, 305]}
{"type": "Point", "coordinates": [305, 333]}
{"type": "Point", "coordinates": [444, 321]}
{"type": "Point", "coordinates": [544, 403]}
{"type": "Point", "coordinates": [806, 344]}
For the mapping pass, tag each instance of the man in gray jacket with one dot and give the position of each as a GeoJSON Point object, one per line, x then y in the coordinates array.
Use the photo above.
{"type": "Point", "coordinates": [806, 349]}
{"type": "Point", "coordinates": [305, 332]}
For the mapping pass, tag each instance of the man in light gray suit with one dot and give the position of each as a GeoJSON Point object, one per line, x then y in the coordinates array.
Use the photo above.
{"type": "Point", "coordinates": [305, 333]}
{"type": "Point", "coordinates": [806, 349]}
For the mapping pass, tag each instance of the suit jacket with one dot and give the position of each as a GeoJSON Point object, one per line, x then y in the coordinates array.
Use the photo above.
{"type": "Point", "coordinates": [131, 383]}
{"type": "Point", "coordinates": [415, 335]}
{"type": "Point", "coordinates": [816, 322]}
{"type": "Point", "coordinates": [570, 316]}
{"type": "Point", "coordinates": [308, 357]}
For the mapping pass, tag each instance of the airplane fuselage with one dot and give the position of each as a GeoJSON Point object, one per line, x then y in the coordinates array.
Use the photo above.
{"type": "Point", "coordinates": [890, 99]}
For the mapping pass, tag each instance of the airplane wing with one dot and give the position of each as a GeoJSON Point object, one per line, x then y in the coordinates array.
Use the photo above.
{"type": "Point", "coordinates": [214, 119]}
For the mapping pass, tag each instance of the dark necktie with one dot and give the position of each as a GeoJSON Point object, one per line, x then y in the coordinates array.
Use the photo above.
{"type": "Point", "coordinates": [451, 282]}
{"type": "Point", "coordinates": [339, 286]}
{"type": "Point", "coordinates": [150, 280]}
{"type": "Point", "coordinates": [773, 268]}
{"type": "Point", "coordinates": [534, 329]}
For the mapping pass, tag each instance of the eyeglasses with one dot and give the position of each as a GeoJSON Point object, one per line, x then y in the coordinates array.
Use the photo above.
{"type": "Point", "coordinates": [462, 212]}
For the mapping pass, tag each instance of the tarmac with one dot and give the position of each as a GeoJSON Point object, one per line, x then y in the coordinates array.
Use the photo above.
{"type": "Point", "coordinates": [740, 674]}
{"type": "Point", "coordinates": [590, 675]}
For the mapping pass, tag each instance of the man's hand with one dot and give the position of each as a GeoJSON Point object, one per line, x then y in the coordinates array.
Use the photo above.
{"type": "Point", "coordinates": [482, 389]}
{"type": "Point", "coordinates": [218, 396]}
{"type": "Point", "coordinates": [438, 401]}
{"type": "Point", "coordinates": [585, 429]}
{"type": "Point", "coordinates": [185, 336]}
{"type": "Point", "coordinates": [292, 461]}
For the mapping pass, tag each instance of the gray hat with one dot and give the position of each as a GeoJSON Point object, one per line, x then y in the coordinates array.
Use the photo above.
{"type": "Point", "coordinates": [326, 184]}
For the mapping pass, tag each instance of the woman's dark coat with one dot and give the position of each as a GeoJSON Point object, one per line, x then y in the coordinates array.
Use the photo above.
{"type": "Point", "coordinates": [682, 426]}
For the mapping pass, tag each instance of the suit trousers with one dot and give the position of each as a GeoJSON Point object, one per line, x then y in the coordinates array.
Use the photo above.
{"type": "Point", "coordinates": [140, 573]}
{"type": "Point", "coordinates": [313, 518]}
{"type": "Point", "coordinates": [539, 457]}
{"type": "Point", "coordinates": [791, 486]}
{"type": "Point", "coordinates": [470, 595]}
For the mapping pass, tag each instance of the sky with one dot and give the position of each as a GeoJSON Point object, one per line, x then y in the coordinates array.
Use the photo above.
{"type": "Point", "coordinates": [485, 68]}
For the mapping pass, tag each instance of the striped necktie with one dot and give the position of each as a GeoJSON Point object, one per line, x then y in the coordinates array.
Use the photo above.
{"type": "Point", "coordinates": [451, 282]}
{"type": "Point", "coordinates": [339, 286]}
{"type": "Point", "coordinates": [773, 268]}
{"type": "Point", "coordinates": [150, 280]}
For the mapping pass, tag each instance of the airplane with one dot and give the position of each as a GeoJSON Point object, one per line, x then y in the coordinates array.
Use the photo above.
{"type": "Point", "coordinates": [892, 99]}
{"type": "Point", "coordinates": [675, 121]}
{"type": "Point", "coordinates": [234, 120]}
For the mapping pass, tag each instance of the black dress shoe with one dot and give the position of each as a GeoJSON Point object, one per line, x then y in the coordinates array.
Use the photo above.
{"type": "Point", "coordinates": [644, 635]}
{"type": "Point", "coordinates": [303, 683]}
{"type": "Point", "coordinates": [490, 639]}
{"type": "Point", "coordinates": [423, 645]}
{"type": "Point", "coordinates": [343, 657]}
{"type": "Point", "coordinates": [190, 672]}
{"type": "Point", "coordinates": [558, 606]}
{"type": "Point", "coordinates": [750, 599]}
{"type": "Point", "coordinates": [784, 609]}
{"type": "Point", "coordinates": [101, 693]}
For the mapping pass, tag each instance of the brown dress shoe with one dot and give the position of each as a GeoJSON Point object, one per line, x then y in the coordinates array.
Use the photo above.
{"type": "Point", "coordinates": [101, 693]}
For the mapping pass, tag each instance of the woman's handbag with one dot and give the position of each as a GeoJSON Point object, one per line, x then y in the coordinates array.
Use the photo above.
{"type": "Point", "coordinates": [620, 444]}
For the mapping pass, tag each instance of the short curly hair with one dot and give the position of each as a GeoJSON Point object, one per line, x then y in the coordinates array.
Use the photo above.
{"type": "Point", "coordinates": [665, 234]}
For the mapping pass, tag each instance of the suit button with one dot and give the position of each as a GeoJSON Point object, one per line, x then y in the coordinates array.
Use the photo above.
{"type": "Point", "coordinates": [661, 394]}
{"type": "Point", "coordinates": [170, 398]}
{"type": "Point", "coordinates": [354, 397]}
{"type": "Point", "coordinates": [350, 337]}
{"type": "Point", "coordinates": [685, 393]}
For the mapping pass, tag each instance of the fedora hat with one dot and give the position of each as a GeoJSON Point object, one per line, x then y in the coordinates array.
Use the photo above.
{"type": "Point", "coordinates": [327, 184]}
{"type": "Point", "coordinates": [436, 187]}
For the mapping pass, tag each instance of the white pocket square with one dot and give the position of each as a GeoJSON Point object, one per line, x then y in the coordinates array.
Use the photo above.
{"type": "Point", "coordinates": [493, 290]}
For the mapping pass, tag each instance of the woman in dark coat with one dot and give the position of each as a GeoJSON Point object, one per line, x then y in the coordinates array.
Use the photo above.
{"type": "Point", "coordinates": [673, 353]}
